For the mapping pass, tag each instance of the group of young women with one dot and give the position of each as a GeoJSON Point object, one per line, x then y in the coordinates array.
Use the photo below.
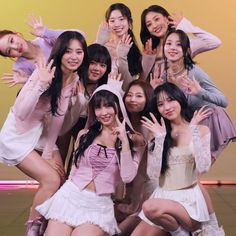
{"type": "Point", "coordinates": [144, 126]}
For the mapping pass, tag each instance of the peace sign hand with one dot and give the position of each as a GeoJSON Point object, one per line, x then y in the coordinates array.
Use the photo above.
{"type": "Point", "coordinates": [120, 130]}
{"type": "Point", "coordinates": [153, 125]}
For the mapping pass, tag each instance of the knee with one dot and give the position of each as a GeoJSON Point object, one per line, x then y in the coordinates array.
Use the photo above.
{"type": "Point", "coordinates": [52, 182]}
{"type": "Point", "coordinates": [151, 210]}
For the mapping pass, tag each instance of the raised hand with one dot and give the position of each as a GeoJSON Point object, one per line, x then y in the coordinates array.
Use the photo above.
{"type": "Point", "coordinates": [114, 76]}
{"type": "Point", "coordinates": [120, 130]}
{"type": "Point", "coordinates": [155, 81]}
{"type": "Point", "coordinates": [17, 77]}
{"type": "Point", "coordinates": [175, 19]}
{"type": "Point", "coordinates": [45, 72]}
{"type": "Point", "coordinates": [153, 125]}
{"type": "Point", "coordinates": [80, 87]}
{"type": "Point", "coordinates": [148, 48]}
{"type": "Point", "coordinates": [192, 86]}
{"type": "Point", "coordinates": [124, 46]}
{"type": "Point", "coordinates": [36, 26]}
{"type": "Point", "coordinates": [200, 115]}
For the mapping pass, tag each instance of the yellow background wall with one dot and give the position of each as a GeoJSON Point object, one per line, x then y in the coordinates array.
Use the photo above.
{"type": "Point", "coordinates": [211, 15]}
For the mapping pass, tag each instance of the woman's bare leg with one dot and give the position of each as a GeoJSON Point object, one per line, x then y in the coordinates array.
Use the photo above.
{"type": "Point", "coordinates": [49, 181]}
{"type": "Point", "coordinates": [88, 230]}
{"type": "Point", "coordinates": [144, 228]}
{"type": "Point", "coordinates": [56, 228]}
{"type": "Point", "coordinates": [169, 214]}
{"type": "Point", "coordinates": [128, 225]}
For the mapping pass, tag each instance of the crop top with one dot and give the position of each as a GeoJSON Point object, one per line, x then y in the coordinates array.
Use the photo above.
{"type": "Point", "coordinates": [102, 165]}
{"type": "Point", "coordinates": [185, 162]}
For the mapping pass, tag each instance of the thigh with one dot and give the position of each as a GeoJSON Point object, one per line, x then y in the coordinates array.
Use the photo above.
{"type": "Point", "coordinates": [128, 225]}
{"type": "Point", "coordinates": [172, 208]}
{"type": "Point", "coordinates": [56, 228]}
{"type": "Point", "coordinates": [144, 228]}
{"type": "Point", "coordinates": [88, 230]}
{"type": "Point", "coordinates": [36, 167]}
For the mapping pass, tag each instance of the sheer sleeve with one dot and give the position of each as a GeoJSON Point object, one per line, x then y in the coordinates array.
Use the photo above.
{"type": "Point", "coordinates": [129, 161]}
{"type": "Point", "coordinates": [202, 152]}
{"type": "Point", "coordinates": [154, 161]}
{"type": "Point", "coordinates": [148, 62]}
{"type": "Point", "coordinates": [123, 67]}
{"type": "Point", "coordinates": [103, 35]}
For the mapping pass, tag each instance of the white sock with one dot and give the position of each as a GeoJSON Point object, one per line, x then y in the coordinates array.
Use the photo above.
{"type": "Point", "coordinates": [180, 232]}
{"type": "Point", "coordinates": [213, 220]}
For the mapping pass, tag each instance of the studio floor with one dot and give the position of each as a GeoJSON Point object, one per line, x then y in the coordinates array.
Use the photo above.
{"type": "Point", "coordinates": [15, 203]}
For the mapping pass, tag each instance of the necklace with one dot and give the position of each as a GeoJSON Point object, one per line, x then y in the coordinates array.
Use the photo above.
{"type": "Point", "coordinates": [179, 72]}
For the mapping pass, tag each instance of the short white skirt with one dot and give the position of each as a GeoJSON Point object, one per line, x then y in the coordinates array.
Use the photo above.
{"type": "Point", "coordinates": [14, 146]}
{"type": "Point", "coordinates": [73, 207]}
{"type": "Point", "coordinates": [191, 199]}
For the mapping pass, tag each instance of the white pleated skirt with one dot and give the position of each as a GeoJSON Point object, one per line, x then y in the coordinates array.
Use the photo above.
{"type": "Point", "coordinates": [14, 146]}
{"type": "Point", "coordinates": [191, 199]}
{"type": "Point", "coordinates": [74, 207]}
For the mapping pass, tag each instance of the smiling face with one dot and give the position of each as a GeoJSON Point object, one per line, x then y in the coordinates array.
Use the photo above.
{"type": "Point", "coordinates": [168, 107]}
{"type": "Point", "coordinates": [105, 114]}
{"type": "Point", "coordinates": [173, 49]}
{"type": "Point", "coordinates": [96, 70]}
{"type": "Point", "coordinates": [135, 99]}
{"type": "Point", "coordinates": [13, 45]}
{"type": "Point", "coordinates": [157, 24]}
{"type": "Point", "coordinates": [73, 56]}
{"type": "Point", "coordinates": [118, 23]}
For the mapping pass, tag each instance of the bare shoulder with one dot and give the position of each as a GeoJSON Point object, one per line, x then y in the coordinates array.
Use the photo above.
{"type": "Point", "coordinates": [203, 130]}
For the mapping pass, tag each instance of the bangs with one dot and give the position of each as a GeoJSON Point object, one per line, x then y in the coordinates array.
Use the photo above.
{"type": "Point", "coordinates": [99, 57]}
{"type": "Point", "coordinates": [104, 98]}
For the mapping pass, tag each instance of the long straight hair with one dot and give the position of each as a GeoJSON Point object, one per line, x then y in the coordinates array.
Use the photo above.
{"type": "Point", "coordinates": [134, 56]}
{"type": "Point", "coordinates": [144, 32]}
{"type": "Point", "coordinates": [58, 50]}
{"type": "Point", "coordinates": [102, 97]}
{"type": "Point", "coordinates": [186, 113]}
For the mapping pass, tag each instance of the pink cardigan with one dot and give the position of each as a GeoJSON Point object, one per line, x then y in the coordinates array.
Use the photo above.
{"type": "Point", "coordinates": [31, 108]}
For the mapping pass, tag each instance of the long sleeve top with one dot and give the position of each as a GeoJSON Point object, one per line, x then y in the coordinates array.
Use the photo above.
{"type": "Point", "coordinates": [209, 94]}
{"type": "Point", "coordinates": [185, 162]}
{"type": "Point", "coordinates": [118, 54]}
{"type": "Point", "coordinates": [102, 165]}
{"type": "Point", "coordinates": [31, 108]}
{"type": "Point", "coordinates": [201, 42]}
{"type": "Point", "coordinates": [45, 42]}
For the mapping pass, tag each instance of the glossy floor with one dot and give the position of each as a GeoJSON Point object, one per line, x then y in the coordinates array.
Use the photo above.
{"type": "Point", "coordinates": [15, 202]}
